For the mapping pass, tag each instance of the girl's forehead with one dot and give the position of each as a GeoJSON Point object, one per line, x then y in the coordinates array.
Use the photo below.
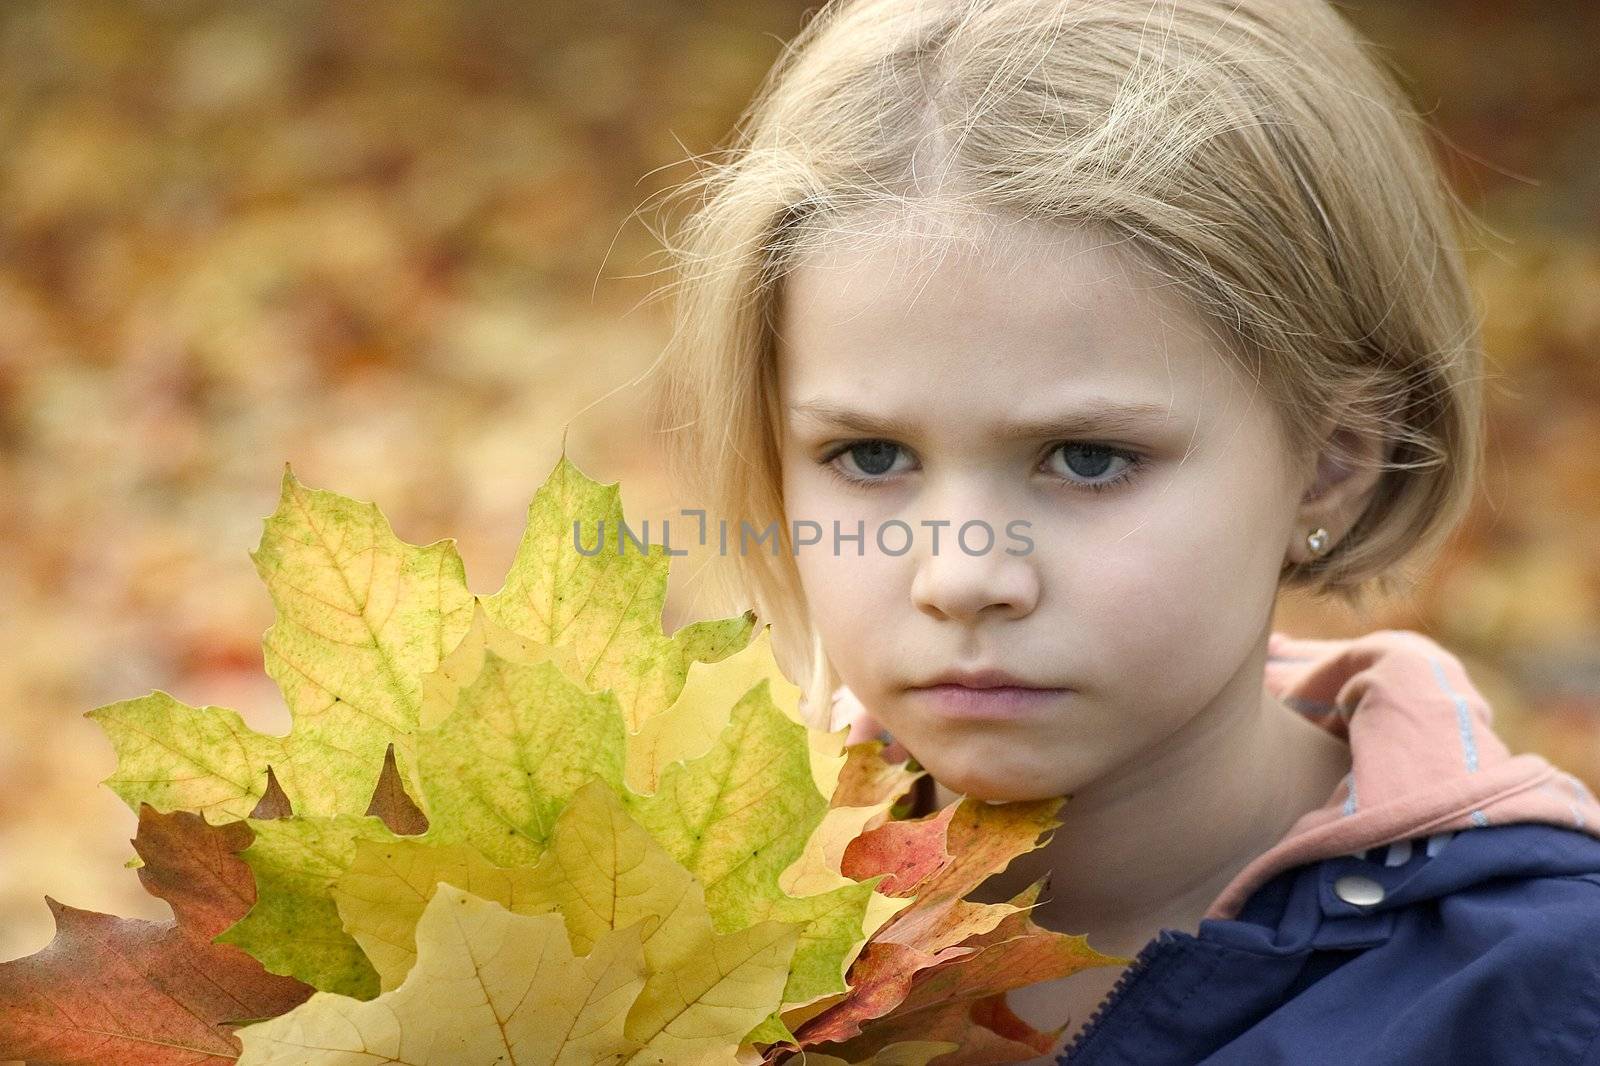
{"type": "Point", "coordinates": [1013, 265]}
{"type": "Point", "coordinates": [1042, 301]}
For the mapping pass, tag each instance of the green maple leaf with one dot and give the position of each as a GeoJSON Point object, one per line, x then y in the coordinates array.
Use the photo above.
{"type": "Point", "coordinates": [361, 617]}
{"type": "Point", "coordinates": [741, 814]}
{"type": "Point", "coordinates": [293, 928]}
{"type": "Point", "coordinates": [522, 740]}
{"type": "Point", "coordinates": [605, 608]}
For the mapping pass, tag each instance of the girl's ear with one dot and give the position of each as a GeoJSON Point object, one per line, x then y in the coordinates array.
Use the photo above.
{"type": "Point", "coordinates": [1347, 472]}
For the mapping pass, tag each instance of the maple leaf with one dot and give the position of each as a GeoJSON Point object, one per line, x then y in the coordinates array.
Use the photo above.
{"type": "Point", "coordinates": [739, 816]}
{"type": "Point", "coordinates": [361, 617]}
{"type": "Point", "coordinates": [939, 967]}
{"type": "Point", "coordinates": [864, 794]}
{"type": "Point", "coordinates": [390, 803]}
{"type": "Point", "coordinates": [488, 986]}
{"type": "Point", "coordinates": [293, 928]}
{"type": "Point", "coordinates": [109, 989]}
{"type": "Point", "coordinates": [604, 608]}
{"type": "Point", "coordinates": [491, 985]}
{"type": "Point", "coordinates": [961, 998]}
{"type": "Point", "coordinates": [602, 871]}
{"type": "Point", "coordinates": [522, 739]}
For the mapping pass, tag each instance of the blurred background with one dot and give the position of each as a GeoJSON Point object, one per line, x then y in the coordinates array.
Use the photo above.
{"type": "Point", "coordinates": [395, 246]}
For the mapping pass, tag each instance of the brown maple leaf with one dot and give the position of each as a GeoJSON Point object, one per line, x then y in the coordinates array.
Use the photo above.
{"type": "Point", "coordinates": [109, 990]}
{"type": "Point", "coordinates": [392, 804]}
{"type": "Point", "coordinates": [939, 969]}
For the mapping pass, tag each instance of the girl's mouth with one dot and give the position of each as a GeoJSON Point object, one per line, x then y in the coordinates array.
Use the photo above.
{"type": "Point", "coordinates": [986, 704]}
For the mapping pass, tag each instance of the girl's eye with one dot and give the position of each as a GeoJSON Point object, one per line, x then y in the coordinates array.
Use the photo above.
{"type": "Point", "coordinates": [872, 457]}
{"type": "Point", "coordinates": [875, 458]}
{"type": "Point", "coordinates": [1099, 457]}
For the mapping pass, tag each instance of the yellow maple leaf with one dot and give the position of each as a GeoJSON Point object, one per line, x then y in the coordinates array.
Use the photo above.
{"type": "Point", "coordinates": [489, 986]}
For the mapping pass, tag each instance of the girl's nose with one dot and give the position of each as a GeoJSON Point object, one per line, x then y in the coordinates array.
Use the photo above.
{"type": "Point", "coordinates": [960, 586]}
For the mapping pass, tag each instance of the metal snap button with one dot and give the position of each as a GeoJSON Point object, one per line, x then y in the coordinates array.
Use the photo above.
{"type": "Point", "coordinates": [1361, 891]}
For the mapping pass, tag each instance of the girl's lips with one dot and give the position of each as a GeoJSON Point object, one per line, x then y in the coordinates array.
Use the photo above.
{"type": "Point", "coordinates": [987, 704]}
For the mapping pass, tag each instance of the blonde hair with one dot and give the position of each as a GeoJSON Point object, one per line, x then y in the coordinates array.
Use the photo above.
{"type": "Point", "coordinates": [1251, 152]}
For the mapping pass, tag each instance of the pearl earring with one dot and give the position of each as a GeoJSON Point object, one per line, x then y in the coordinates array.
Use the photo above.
{"type": "Point", "coordinates": [1317, 541]}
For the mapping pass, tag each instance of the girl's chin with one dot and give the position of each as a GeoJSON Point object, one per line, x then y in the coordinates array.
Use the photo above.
{"type": "Point", "coordinates": [991, 789]}
{"type": "Point", "coordinates": [999, 775]}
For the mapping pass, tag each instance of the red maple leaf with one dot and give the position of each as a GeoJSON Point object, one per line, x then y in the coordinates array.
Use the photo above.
{"type": "Point", "coordinates": [110, 991]}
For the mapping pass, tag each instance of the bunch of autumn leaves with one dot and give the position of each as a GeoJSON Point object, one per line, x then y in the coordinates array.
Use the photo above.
{"type": "Point", "coordinates": [528, 827]}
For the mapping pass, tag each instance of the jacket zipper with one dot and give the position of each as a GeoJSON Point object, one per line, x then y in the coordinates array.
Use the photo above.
{"type": "Point", "coordinates": [1162, 942]}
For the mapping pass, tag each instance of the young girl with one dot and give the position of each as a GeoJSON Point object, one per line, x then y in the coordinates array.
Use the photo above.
{"type": "Point", "coordinates": [1053, 338]}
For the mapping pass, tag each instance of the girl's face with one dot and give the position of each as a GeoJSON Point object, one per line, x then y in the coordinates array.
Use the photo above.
{"type": "Point", "coordinates": [932, 377]}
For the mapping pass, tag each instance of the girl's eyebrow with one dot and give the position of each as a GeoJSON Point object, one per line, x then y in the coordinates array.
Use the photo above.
{"type": "Point", "coordinates": [1092, 416]}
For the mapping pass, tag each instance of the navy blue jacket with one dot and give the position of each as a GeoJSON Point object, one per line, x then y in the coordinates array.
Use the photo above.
{"type": "Point", "coordinates": [1484, 953]}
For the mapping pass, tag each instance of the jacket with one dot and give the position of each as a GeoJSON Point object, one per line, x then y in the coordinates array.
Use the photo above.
{"type": "Point", "coordinates": [1442, 909]}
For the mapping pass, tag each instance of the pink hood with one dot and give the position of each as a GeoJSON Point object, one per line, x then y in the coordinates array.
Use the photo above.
{"type": "Point", "coordinates": [1425, 759]}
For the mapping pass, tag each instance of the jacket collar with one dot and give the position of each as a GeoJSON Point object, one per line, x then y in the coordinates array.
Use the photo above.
{"type": "Point", "coordinates": [1426, 762]}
